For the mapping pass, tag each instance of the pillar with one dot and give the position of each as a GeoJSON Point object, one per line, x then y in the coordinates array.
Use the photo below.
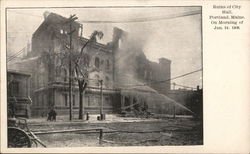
{"type": "Point", "coordinates": [130, 103]}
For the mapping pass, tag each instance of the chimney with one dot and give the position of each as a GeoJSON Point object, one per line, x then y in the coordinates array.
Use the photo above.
{"type": "Point", "coordinates": [198, 88]}
{"type": "Point", "coordinates": [117, 34]}
{"type": "Point", "coordinates": [46, 14]}
{"type": "Point", "coordinates": [164, 61]}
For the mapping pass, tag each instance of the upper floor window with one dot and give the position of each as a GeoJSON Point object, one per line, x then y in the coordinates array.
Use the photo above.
{"type": "Point", "coordinates": [63, 31]}
{"type": "Point", "coordinates": [80, 31]}
{"type": "Point", "coordinates": [119, 44]}
{"type": "Point", "coordinates": [64, 75]}
{"type": "Point", "coordinates": [97, 77]}
{"type": "Point", "coordinates": [88, 100]}
{"type": "Point", "coordinates": [87, 60]}
{"type": "Point", "coordinates": [145, 74]}
{"type": "Point", "coordinates": [65, 99]}
{"type": "Point", "coordinates": [74, 100]}
{"type": "Point", "coordinates": [151, 75]}
{"type": "Point", "coordinates": [15, 88]}
{"type": "Point", "coordinates": [106, 82]}
{"type": "Point", "coordinates": [107, 64]}
{"type": "Point", "coordinates": [97, 62]}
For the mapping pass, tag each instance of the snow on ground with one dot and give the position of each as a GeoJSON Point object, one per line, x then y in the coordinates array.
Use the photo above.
{"type": "Point", "coordinates": [120, 131]}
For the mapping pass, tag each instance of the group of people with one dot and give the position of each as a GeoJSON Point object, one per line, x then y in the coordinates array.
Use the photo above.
{"type": "Point", "coordinates": [52, 115]}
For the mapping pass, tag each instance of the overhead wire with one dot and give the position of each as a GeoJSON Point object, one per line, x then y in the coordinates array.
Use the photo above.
{"type": "Point", "coordinates": [162, 81]}
{"type": "Point", "coordinates": [145, 19]}
{"type": "Point", "coordinates": [15, 55]}
{"type": "Point", "coordinates": [184, 86]}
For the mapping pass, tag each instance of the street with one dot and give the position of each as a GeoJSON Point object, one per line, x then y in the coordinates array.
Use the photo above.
{"type": "Point", "coordinates": [134, 132]}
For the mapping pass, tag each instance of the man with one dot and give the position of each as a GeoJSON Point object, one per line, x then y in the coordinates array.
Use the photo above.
{"type": "Point", "coordinates": [53, 114]}
{"type": "Point", "coordinates": [49, 116]}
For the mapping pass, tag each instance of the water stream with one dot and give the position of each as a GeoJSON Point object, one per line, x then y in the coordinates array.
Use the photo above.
{"type": "Point", "coordinates": [154, 99]}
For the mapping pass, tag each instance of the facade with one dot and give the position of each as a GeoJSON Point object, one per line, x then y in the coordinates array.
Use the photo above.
{"type": "Point", "coordinates": [121, 64]}
{"type": "Point", "coordinates": [18, 93]}
{"type": "Point", "coordinates": [130, 59]}
{"type": "Point", "coordinates": [137, 77]}
{"type": "Point", "coordinates": [51, 80]}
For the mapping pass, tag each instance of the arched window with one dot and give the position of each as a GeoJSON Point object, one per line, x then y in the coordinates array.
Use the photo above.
{"type": "Point", "coordinates": [65, 75]}
{"type": "Point", "coordinates": [65, 98]}
{"type": "Point", "coordinates": [145, 74]}
{"type": "Point", "coordinates": [58, 72]}
{"type": "Point", "coordinates": [97, 62]}
{"type": "Point", "coordinates": [106, 82]}
{"type": "Point", "coordinates": [80, 31]}
{"type": "Point", "coordinates": [119, 43]}
{"type": "Point", "coordinates": [107, 64]}
{"type": "Point", "coordinates": [97, 80]}
{"type": "Point", "coordinates": [15, 88]}
{"type": "Point", "coordinates": [87, 60]}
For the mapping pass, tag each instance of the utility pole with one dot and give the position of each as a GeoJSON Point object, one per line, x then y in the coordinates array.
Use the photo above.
{"type": "Point", "coordinates": [71, 19]}
{"type": "Point", "coordinates": [174, 112]}
{"type": "Point", "coordinates": [101, 105]}
{"type": "Point", "coordinates": [70, 72]}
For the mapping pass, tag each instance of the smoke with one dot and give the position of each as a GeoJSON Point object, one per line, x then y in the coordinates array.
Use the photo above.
{"type": "Point", "coordinates": [130, 61]}
{"type": "Point", "coordinates": [127, 66]}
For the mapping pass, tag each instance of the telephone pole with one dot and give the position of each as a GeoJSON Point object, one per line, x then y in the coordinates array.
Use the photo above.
{"type": "Point", "coordinates": [101, 105]}
{"type": "Point", "coordinates": [72, 18]}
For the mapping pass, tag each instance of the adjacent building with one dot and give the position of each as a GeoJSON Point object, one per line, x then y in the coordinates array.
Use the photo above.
{"type": "Point", "coordinates": [18, 94]}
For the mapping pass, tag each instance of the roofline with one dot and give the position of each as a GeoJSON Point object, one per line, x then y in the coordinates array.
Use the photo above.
{"type": "Point", "coordinates": [104, 46]}
{"type": "Point", "coordinates": [38, 29]}
{"type": "Point", "coordinates": [18, 72]}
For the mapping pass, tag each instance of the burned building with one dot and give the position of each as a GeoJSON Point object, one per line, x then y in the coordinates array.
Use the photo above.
{"type": "Point", "coordinates": [140, 80]}
{"type": "Point", "coordinates": [50, 82]}
{"type": "Point", "coordinates": [128, 76]}
{"type": "Point", "coordinates": [130, 59]}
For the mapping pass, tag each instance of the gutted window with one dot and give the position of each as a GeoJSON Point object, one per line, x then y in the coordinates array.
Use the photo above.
{"type": "Point", "coordinates": [80, 31]}
{"type": "Point", "coordinates": [145, 74]}
{"type": "Point", "coordinates": [97, 78]}
{"type": "Point", "coordinates": [107, 64]}
{"type": "Point", "coordinates": [108, 101]}
{"type": "Point", "coordinates": [119, 44]}
{"type": "Point", "coordinates": [65, 99]}
{"type": "Point", "coordinates": [88, 99]}
{"type": "Point", "coordinates": [15, 88]}
{"type": "Point", "coordinates": [65, 75]}
{"type": "Point", "coordinates": [106, 82]}
{"type": "Point", "coordinates": [86, 60]}
{"type": "Point", "coordinates": [74, 100]}
{"type": "Point", "coordinates": [97, 62]}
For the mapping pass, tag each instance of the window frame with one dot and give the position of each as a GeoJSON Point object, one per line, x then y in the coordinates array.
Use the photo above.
{"type": "Point", "coordinates": [97, 62]}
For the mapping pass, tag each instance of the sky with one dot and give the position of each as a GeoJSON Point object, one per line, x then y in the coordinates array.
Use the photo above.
{"type": "Point", "coordinates": [177, 39]}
